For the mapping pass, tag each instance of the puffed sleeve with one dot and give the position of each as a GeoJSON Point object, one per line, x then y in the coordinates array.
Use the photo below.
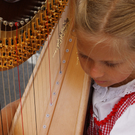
{"type": "Point", "coordinates": [125, 125]}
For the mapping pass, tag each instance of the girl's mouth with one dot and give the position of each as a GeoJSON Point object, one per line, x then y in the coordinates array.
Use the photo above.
{"type": "Point", "coordinates": [99, 82]}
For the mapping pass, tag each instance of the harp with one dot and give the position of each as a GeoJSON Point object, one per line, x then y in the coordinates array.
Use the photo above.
{"type": "Point", "coordinates": [55, 99]}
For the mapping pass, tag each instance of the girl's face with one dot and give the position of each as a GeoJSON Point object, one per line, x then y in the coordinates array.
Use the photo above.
{"type": "Point", "coordinates": [102, 64]}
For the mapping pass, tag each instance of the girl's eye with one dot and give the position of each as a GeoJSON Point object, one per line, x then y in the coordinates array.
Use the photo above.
{"type": "Point", "coordinates": [111, 64]}
{"type": "Point", "coordinates": [106, 63]}
{"type": "Point", "coordinates": [83, 56]}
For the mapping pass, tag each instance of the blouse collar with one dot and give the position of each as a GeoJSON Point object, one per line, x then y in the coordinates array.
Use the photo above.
{"type": "Point", "coordinates": [120, 91]}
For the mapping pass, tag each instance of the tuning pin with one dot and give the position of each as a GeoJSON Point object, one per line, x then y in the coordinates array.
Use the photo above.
{"type": "Point", "coordinates": [16, 24]}
{"type": "Point", "coordinates": [35, 12]}
{"type": "Point", "coordinates": [43, 3]}
{"type": "Point", "coordinates": [38, 8]}
{"type": "Point", "coordinates": [26, 20]}
{"type": "Point", "coordinates": [22, 23]}
{"type": "Point", "coordinates": [5, 23]}
{"type": "Point", "coordinates": [32, 11]}
{"type": "Point", "coordinates": [11, 24]}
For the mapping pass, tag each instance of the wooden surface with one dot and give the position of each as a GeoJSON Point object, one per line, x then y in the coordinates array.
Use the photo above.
{"type": "Point", "coordinates": [69, 90]}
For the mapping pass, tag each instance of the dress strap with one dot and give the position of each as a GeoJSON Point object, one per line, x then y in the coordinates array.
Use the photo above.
{"type": "Point", "coordinates": [87, 119]}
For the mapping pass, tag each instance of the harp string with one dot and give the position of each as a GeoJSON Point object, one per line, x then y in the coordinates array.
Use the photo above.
{"type": "Point", "coordinates": [1, 121]}
{"type": "Point", "coordinates": [28, 75]}
{"type": "Point", "coordinates": [6, 43]}
{"type": "Point", "coordinates": [21, 51]}
{"type": "Point", "coordinates": [41, 45]}
{"type": "Point", "coordinates": [9, 92]}
{"type": "Point", "coordinates": [14, 84]}
{"type": "Point", "coordinates": [16, 24]}
{"type": "Point", "coordinates": [22, 63]}
{"type": "Point", "coordinates": [27, 51]}
{"type": "Point", "coordinates": [49, 52]}
{"type": "Point", "coordinates": [5, 102]}
{"type": "Point", "coordinates": [34, 58]}
{"type": "Point", "coordinates": [11, 25]}
{"type": "Point", "coordinates": [42, 69]}
{"type": "Point", "coordinates": [59, 45]}
{"type": "Point", "coordinates": [34, 98]}
{"type": "Point", "coordinates": [21, 33]}
{"type": "Point", "coordinates": [35, 108]}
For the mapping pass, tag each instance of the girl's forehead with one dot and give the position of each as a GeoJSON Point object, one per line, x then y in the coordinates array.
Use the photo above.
{"type": "Point", "coordinates": [99, 38]}
{"type": "Point", "coordinates": [102, 46]}
{"type": "Point", "coordinates": [97, 52]}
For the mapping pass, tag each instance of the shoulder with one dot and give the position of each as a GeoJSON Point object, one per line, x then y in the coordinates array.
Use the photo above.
{"type": "Point", "coordinates": [125, 125]}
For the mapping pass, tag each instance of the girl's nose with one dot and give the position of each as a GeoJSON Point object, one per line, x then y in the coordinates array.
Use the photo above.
{"type": "Point", "coordinates": [96, 71]}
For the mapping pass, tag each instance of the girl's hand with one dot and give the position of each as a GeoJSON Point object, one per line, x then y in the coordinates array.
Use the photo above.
{"type": "Point", "coordinates": [6, 116]}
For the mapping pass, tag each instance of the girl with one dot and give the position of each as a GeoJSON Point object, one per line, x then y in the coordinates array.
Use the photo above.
{"type": "Point", "coordinates": [106, 47]}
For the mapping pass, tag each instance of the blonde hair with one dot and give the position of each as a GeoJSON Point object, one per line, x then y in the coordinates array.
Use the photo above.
{"type": "Point", "coordinates": [115, 18]}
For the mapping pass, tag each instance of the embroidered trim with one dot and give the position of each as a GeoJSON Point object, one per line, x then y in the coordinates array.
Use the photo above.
{"type": "Point", "coordinates": [104, 127]}
{"type": "Point", "coordinates": [119, 91]}
{"type": "Point", "coordinates": [116, 108]}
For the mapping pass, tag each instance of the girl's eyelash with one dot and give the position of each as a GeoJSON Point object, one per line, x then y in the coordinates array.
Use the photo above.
{"type": "Point", "coordinates": [83, 56]}
{"type": "Point", "coordinates": [111, 64]}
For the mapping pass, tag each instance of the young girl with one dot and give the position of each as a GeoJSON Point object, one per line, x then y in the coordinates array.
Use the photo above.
{"type": "Point", "coordinates": [106, 47]}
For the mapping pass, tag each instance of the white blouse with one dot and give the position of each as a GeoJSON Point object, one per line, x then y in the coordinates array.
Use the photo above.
{"type": "Point", "coordinates": [105, 98]}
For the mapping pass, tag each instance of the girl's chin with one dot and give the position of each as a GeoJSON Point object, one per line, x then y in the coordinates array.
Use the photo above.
{"type": "Point", "coordinates": [102, 83]}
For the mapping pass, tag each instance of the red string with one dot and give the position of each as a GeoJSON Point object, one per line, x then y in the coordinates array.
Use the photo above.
{"type": "Point", "coordinates": [16, 24]}
{"type": "Point", "coordinates": [49, 55]}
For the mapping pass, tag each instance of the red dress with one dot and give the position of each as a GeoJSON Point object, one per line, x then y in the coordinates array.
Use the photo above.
{"type": "Point", "coordinates": [105, 126]}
